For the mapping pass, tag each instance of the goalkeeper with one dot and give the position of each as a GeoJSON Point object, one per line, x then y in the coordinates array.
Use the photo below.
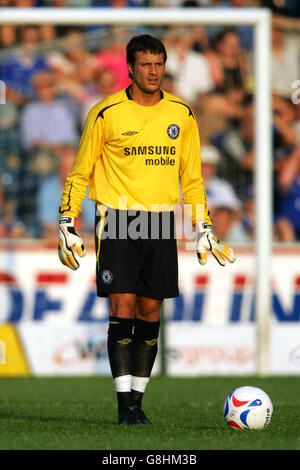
{"type": "Point", "coordinates": [135, 145]}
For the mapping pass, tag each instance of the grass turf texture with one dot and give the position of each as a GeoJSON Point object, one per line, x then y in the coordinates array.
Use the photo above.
{"type": "Point", "coordinates": [68, 413]}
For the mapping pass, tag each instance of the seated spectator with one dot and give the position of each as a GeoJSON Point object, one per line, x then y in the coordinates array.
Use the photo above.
{"type": "Point", "coordinates": [75, 67]}
{"type": "Point", "coordinates": [218, 190]}
{"type": "Point", "coordinates": [287, 198]}
{"type": "Point", "coordinates": [245, 31]}
{"type": "Point", "coordinates": [10, 225]}
{"type": "Point", "coordinates": [289, 9]}
{"type": "Point", "coordinates": [52, 176]}
{"type": "Point", "coordinates": [219, 111]}
{"type": "Point", "coordinates": [223, 203]}
{"type": "Point", "coordinates": [113, 58]}
{"type": "Point", "coordinates": [189, 68]}
{"type": "Point", "coordinates": [10, 155]}
{"type": "Point", "coordinates": [168, 83]}
{"type": "Point", "coordinates": [237, 144]}
{"type": "Point", "coordinates": [19, 67]}
{"type": "Point", "coordinates": [285, 66]}
{"type": "Point", "coordinates": [227, 224]}
{"type": "Point", "coordinates": [229, 63]}
{"type": "Point", "coordinates": [103, 85]}
{"type": "Point", "coordinates": [8, 37]}
{"type": "Point", "coordinates": [248, 212]}
{"type": "Point", "coordinates": [47, 33]}
{"type": "Point", "coordinates": [48, 125]}
{"type": "Point", "coordinates": [286, 122]}
{"type": "Point", "coordinates": [49, 121]}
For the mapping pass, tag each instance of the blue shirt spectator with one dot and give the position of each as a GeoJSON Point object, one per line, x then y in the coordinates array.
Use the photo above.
{"type": "Point", "coordinates": [18, 68]}
{"type": "Point", "coordinates": [49, 120]}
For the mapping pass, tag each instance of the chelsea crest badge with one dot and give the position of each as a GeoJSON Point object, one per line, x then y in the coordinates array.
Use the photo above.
{"type": "Point", "coordinates": [173, 131]}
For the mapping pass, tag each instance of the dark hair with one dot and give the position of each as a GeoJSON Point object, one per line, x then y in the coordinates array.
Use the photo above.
{"type": "Point", "coordinates": [221, 35]}
{"type": "Point", "coordinates": [144, 43]}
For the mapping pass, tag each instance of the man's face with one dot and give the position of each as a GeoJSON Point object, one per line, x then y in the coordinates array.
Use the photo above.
{"type": "Point", "coordinates": [147, 71]}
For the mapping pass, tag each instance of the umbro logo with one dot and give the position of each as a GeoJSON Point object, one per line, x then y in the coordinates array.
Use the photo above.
{"type": "Point", "coordinates": [130, 133]}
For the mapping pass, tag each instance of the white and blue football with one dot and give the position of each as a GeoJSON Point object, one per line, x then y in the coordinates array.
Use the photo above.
{"type": "Point", "coordinates": [248, 408]}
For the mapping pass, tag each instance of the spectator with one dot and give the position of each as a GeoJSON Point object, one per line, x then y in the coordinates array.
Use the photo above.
{"type": "Point", "coordinates": [286, 123]}
{"type": "Point", "coordinates": [10, 158]}
{"type": "Point", "coordinates": [288, 8]}
{"type": "Point", "coordinates": [48, 121]}
{"type": "Point", "coordinates": [104, 84]}
{"type": "Point", "coordinates": [218, 112]}
{"type": "Point", "coordinates": [47, 126]}
{"type": "Point", "coordinates": [227, 224]}
{"type": "Point", "coordinates": [47, 33]}
{"type": "Point", "coordinates": [245, 31]}
{"type": "Point", "coordinates": [10, 225]}
{"type": "Point", "coordinates": [168, 83]}
{"type": "Point", "coordinates": [52, 174]}
{"type": "Point", "coordinates": [113, 58]}
{"type": "Point", "coordinates": [8, 37]}
{"type": "Point", "coordinates": [287, 198]}
{"type": "Point", "coordinates": [248, 212]}
{"type": "Point", "coordinates": [218, 190]}
{"type": "Point", "coordinates": [237, 144]}
{"type": "Point", "coordinates": [222, 200]}
{"type": "Point", "coordinates": [74, 68]}
{"type": "Point", "coordinates": [224, 204]}
{"type": "Point", "coordinates": [285, 57]}
{"type": "Point", "coordinates": [189, 68]}
{"type": "Point", "coordinates": [18, 68]}
{"type": "Point", "coordinates": [228, 61]}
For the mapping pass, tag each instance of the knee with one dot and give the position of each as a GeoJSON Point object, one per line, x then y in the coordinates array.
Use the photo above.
{"type": "Point", "coordinates": [149, 312]}
{"type": "Point", "coordinates": [121, 307]}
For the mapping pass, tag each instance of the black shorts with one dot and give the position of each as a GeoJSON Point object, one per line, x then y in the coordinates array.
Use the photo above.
{"type": "Point", "coordinates": [136, 253]}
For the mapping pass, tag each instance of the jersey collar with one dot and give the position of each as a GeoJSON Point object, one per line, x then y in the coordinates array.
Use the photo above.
{"type": "Point", "coordinates": [127, 90]}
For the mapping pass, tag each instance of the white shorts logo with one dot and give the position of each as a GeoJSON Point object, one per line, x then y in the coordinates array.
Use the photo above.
{"type": "Point", "coordinates": [173, 131]}
{"type": "Point", "coordinates": [107, 277]}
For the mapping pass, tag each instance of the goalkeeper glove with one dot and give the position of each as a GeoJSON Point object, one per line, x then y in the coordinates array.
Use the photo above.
{"type": "Point", "coordinates": [69, 242]}
{"type": "Point", "coordinates": [207, 241]}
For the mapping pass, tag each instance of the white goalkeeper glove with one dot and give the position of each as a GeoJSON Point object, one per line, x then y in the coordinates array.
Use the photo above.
{"type": "Point", "coordinates": [207, 241]}
{"type": "Point", "coordinates": [69, 243]}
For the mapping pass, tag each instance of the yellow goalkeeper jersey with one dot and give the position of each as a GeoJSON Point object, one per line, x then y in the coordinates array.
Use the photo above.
{"type": "Point", "coordinates": [137, 157]}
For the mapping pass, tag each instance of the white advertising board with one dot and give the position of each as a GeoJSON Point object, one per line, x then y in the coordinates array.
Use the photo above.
{"type": "Point", "coordinates": [210, 327]}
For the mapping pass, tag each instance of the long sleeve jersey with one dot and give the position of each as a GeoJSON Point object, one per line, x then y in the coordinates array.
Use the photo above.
{"type": "Point", "coordinates": [137, 157]}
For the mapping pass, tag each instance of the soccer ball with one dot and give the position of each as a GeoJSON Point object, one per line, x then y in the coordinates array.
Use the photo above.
{"type": "Point", "coordinates": [248, 408]}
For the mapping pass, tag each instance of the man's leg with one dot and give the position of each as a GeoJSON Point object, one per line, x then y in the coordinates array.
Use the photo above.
{"type": "Point", "coordinates": [143, 349]}
{"type": "Point", "coordinates": [119, 343]}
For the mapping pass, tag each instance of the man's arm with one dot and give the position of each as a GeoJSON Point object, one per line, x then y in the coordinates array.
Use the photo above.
{"type": "Point", "coordinates": [192, 184]}
{"type": "Point", "coordinates": [90, 149]}
{"type": "Point", "coordinates": [194, 195]}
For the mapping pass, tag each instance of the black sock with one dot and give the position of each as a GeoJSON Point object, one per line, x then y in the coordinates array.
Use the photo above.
{"type": "Point", "coordinates": [119, 344]}
{"type": "Point", "coordinates": [143, 354]}
{"type": "Point", "coordinates": [124, 400]}
{"type": "Point", "coordinates": [136, 398]}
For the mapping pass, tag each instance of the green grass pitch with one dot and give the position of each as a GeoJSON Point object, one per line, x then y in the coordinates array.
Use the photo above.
{"type": "Point", "coordinates": [79, 413]}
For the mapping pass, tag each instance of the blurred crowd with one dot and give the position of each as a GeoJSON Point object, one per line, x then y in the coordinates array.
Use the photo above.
{"type": "Point", "coordinates": [54, 75]}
